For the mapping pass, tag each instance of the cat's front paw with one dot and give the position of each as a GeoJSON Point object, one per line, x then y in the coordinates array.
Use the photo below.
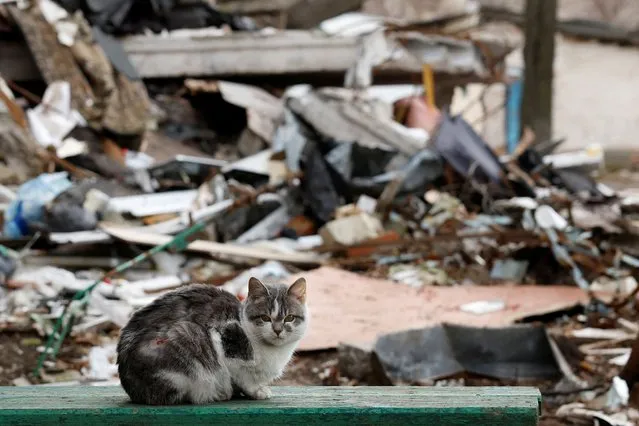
{"type": "Point", "coordinates": [263, 392]}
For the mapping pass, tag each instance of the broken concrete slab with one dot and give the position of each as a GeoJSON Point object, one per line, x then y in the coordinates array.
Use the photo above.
{"type": "Point", "coordinates": [291, 52]}
{"type": "Point", "coordinates": [351, 230]}
{"type": "Point", "coordinates": [346, 121]}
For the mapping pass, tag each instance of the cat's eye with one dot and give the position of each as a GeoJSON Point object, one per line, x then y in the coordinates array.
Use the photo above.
{"type": "Point", "coordinates": [289, 318]}
{"type": "Point", "coordinates": [266, 318]}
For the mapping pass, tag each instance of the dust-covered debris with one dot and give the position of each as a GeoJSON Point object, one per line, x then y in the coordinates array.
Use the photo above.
{"type": "Point", "coordinates": [399, 203]}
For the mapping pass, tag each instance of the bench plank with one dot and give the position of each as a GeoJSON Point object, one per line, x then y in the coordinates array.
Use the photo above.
{"type": "Point", "coordinates": [109, 405]}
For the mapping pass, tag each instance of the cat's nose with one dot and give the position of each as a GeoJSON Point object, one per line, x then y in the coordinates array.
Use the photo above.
{"type": "Point", "coordinates": [277, 331]}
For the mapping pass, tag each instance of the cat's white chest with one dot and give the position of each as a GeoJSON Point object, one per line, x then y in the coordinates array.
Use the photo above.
{"type": "Point", "coordinates": [270, 361]}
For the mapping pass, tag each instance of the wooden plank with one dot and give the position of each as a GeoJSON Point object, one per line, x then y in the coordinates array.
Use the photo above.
{"type": "Point", "coordinates": [138, 236]}
{"type": "Point", "coordinates": [54, 61]}
{"type": "Point", "coordinates": [239, 54]}
{"type": "Point", "coordinates": [108, 405]}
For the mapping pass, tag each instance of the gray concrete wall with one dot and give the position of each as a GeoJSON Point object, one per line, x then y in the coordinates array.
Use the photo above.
{"type": "Point", "coordinates": [620, 13]}
{"type": "Point", "coordinates": [596, 97]}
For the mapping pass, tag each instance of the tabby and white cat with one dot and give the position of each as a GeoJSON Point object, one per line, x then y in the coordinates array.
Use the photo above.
{"type": "Point", "coordinates": [199, 344]}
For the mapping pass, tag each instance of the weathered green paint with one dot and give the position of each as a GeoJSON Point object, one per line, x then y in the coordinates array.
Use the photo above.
{"type": "Point", "coordinates": [84, 405]}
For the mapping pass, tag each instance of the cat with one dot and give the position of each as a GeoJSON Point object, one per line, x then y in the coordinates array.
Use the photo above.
{"type": "Point", "coordinates": [199, 344]}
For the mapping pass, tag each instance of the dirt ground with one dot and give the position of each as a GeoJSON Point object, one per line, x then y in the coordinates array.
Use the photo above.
{"type": "Point", "coordinates": [18, 355]}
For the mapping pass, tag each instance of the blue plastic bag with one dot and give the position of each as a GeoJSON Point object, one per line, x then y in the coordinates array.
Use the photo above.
{"type": "Point", "coordinates": [32, 197]}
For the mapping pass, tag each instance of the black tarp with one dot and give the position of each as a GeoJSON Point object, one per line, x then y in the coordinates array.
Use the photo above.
{"type": "Point", "coordinates": [466, 151]}
{"type": "Point", "coordinates": [420, 355]}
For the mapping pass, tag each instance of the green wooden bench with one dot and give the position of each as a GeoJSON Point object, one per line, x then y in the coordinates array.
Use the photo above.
{"type": "Point", "coordinates": [88, 405]}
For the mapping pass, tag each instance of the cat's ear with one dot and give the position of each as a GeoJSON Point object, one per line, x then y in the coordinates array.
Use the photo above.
{"type": "Point", "coordinates": [298, 290]}
{"type": "Point", "coordinates": [256, 288]}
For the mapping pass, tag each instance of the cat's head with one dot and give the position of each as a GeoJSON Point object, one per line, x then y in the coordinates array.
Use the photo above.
{"type": "Point", "coordinates": [276, 314]}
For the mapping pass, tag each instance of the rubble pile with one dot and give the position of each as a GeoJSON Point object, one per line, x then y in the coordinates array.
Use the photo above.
{"type": "Point", "coordinates": [116, 190]}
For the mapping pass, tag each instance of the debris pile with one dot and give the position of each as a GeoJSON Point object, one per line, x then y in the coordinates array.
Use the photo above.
{"type": "Point", "coordinates": [399, 214]}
